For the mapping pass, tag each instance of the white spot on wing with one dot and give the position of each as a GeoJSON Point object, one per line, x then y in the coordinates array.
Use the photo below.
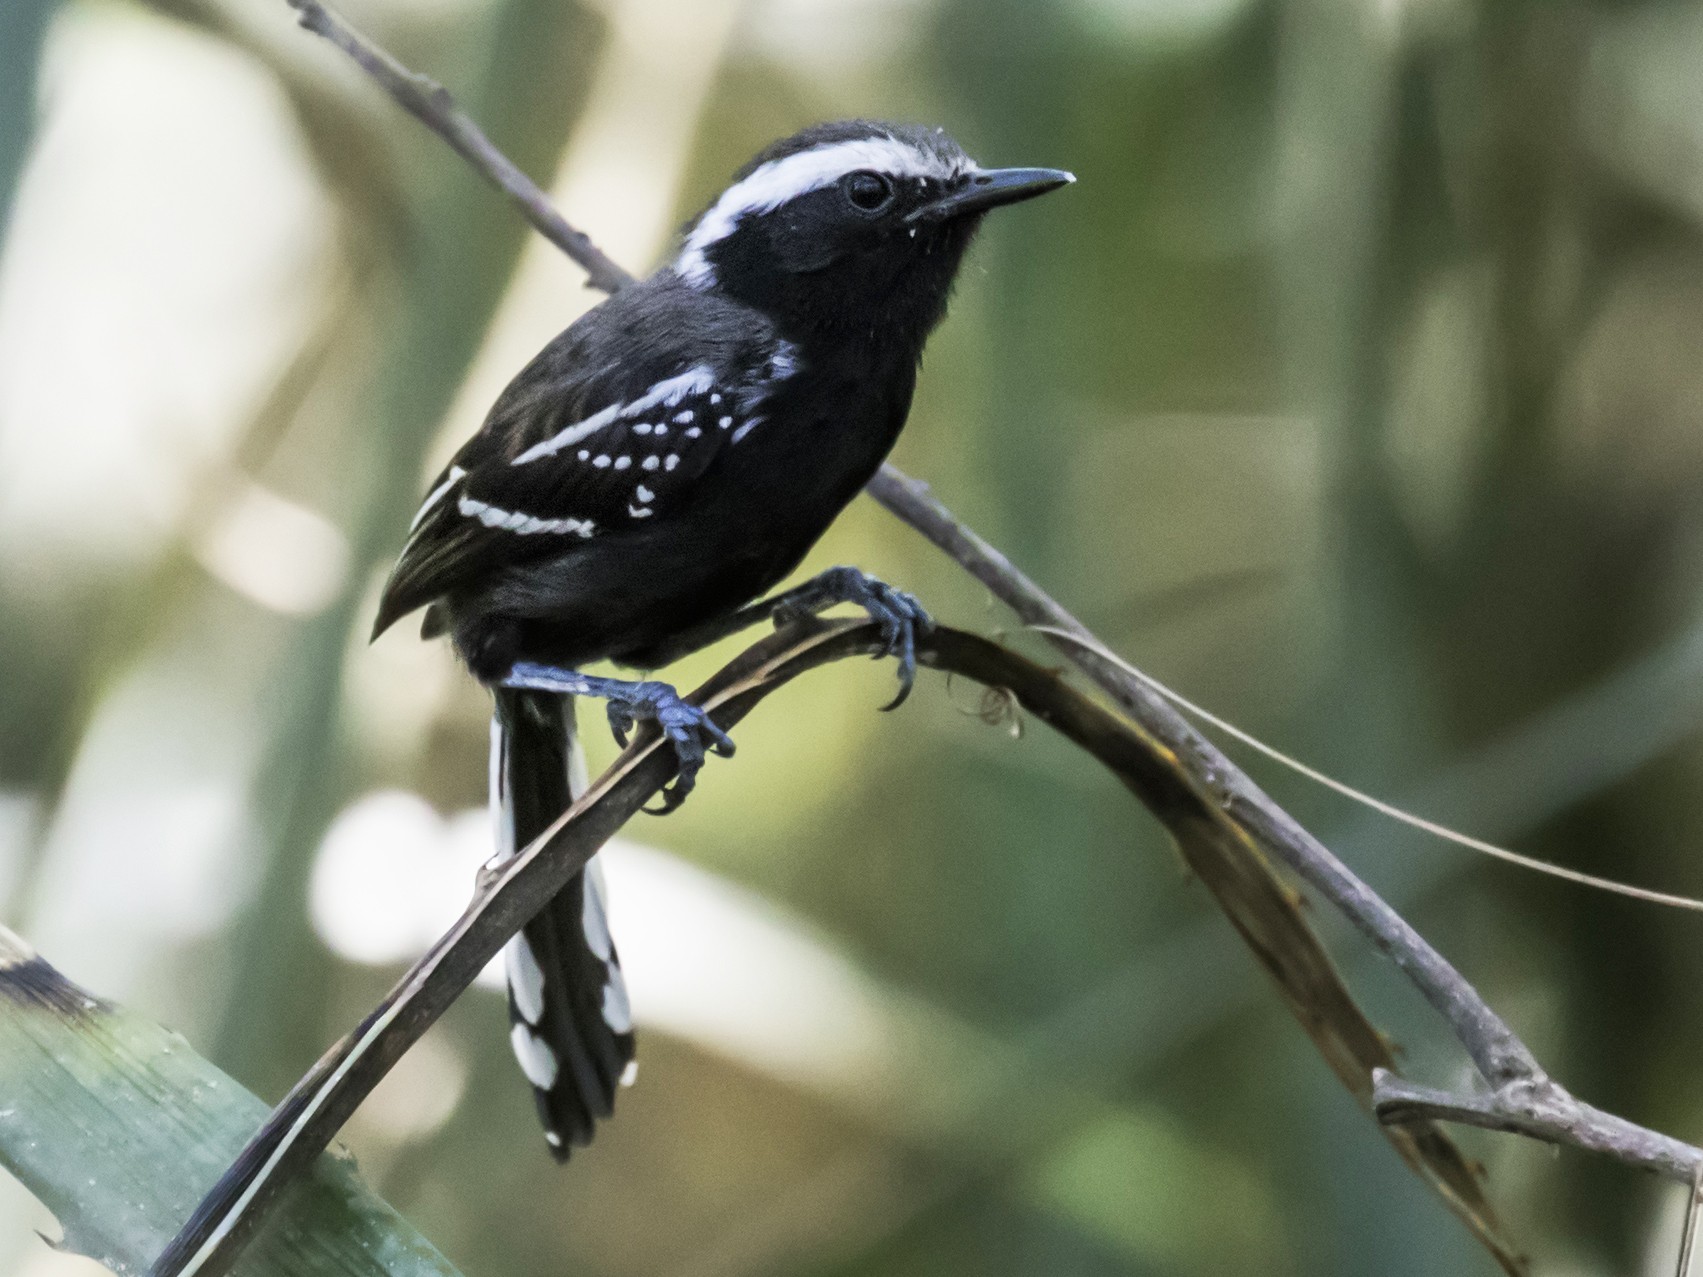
{"type": "Point", "coordinates": [516, 521]}
{"type": "Point", "coordinates": [651, 463]}
{"type": "Point", "coordinates": [630, 1074]}
{"type": "Point", "coordinates": [643, 493]}
{"type": "Point", "coordinates": [666, 393]}
{"type": "Point", "coordinates": [572, 435]}
{"type": "Point", "coordinates": [536, 1058]}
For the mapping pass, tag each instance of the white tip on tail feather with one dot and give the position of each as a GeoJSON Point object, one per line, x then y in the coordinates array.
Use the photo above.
{"type": "Point", "coordinates": [526, 980]}
{"type": "Point", "coordinates": [536, 1058]}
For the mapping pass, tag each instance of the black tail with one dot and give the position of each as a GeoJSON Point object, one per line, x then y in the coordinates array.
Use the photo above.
{"type": "Point", "coordinates": [568, 1015]}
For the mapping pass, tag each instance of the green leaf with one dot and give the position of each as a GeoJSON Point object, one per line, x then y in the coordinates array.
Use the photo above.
{"type": "Point", "coordinates": [119, 1129]}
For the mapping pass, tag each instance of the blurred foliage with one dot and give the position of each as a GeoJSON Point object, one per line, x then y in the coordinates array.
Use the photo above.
{"type": "Point", "coordinates": [1355, 389]}
{"type": "Point", "coordinates": [102, 1101]}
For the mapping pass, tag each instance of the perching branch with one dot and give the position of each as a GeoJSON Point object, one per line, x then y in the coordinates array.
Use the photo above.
{"type": "Point", "coordinates": [1493, 1046]}
{"type": "Point", "coordinates": [1257, 902]}
{"type": "Point", "coordinates": [1224, 824]}
{"type": "Point", "coordinates": [430, 103]}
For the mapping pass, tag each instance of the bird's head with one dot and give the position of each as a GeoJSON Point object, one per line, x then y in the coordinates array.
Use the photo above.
{"type": "Point", "coordinates": [856, 225]}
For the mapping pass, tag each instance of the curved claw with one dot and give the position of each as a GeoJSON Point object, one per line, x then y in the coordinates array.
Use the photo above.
{"type": "Point", "coordinates": [621, 721]}
{"type": "Point", "coordinates": [899, 615]}
{"type": "Point", "coordinates": [689, 729]}
{"type": "Point", "coordinates": [907, 668]}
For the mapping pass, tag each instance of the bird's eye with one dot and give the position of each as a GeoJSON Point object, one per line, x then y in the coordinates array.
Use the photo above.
{"type": "Point", "coordinates": [869, 191]}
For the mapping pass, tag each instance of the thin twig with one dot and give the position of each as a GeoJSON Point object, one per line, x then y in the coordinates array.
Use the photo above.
{"type": "Point", "coordinates": [430, 103]}
{"type": "Point", "coordinates": [1494, 1047]}
{"type": "Point", "coordinates": [1540, 1111]}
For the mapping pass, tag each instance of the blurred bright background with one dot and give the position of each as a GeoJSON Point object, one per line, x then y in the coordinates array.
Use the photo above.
{"type": "Point", "coordinates": [1357, 390]}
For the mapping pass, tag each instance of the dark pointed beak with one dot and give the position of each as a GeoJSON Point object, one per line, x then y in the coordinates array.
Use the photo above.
{"type": "Point", "coordinates": [989, 188]}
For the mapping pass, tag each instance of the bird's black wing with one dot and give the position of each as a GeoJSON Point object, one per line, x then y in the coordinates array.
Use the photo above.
{"type": "Point", "coordinates": [583, 445]}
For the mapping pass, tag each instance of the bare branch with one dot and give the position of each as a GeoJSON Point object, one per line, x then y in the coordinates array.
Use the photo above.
{"type": "Point", "coordinates": [1254, 898]}
{"type": "Point", "coordinates": [1499, 1054]}
{"type": "Point", "coordinates": [430, 103]}
{"type": "Point", "coordinates": [1540, 1110]}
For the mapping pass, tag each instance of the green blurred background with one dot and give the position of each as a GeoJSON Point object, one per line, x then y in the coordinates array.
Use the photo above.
{"type": "Point", "coordinates": [1357, 389]}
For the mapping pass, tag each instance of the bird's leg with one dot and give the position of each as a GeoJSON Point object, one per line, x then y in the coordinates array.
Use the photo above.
{"type": "Point", "coordinates": [899, 615]}
{"type": "Point", "coordinates": [689, 728]}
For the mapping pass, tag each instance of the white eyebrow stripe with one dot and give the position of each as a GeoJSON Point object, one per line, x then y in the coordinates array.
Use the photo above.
{"type": "Point", "coordinates": [456, 473]}
{"type": "Point", "coordinates": [694, 381]}
{"type": "Point", "coordinates": [778, 181]}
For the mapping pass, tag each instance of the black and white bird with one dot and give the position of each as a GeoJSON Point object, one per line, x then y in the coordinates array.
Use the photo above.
{"type": "Point", "coordinates": [667, 459]}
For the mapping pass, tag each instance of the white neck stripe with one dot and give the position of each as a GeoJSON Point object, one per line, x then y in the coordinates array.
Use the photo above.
{"type": "Point", "coordinates": [778, 181]}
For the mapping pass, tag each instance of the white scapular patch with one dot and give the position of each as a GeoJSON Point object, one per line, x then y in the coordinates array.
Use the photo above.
{"type": "Point", "coordinates": [617, 1013]}
{"type": "Point", "coordinates": [630, 1074]}
{"type": "Point", "coordinates": [666, 393]}
{"type": "Point", "coordinates": [536, 1058]}
{"type": "Point", "coordinates": [778, 181]}
{"type": "Point", "coordinates": [552, 1139]}
{"type": "Point", "coordinates": [526, 980]}
{"type": "Point", "coordinates": [643, 493]}
{"type": "Point", "coordinates": [436, 494]}
{"type": "Point", "coordinates": [518, 522]}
